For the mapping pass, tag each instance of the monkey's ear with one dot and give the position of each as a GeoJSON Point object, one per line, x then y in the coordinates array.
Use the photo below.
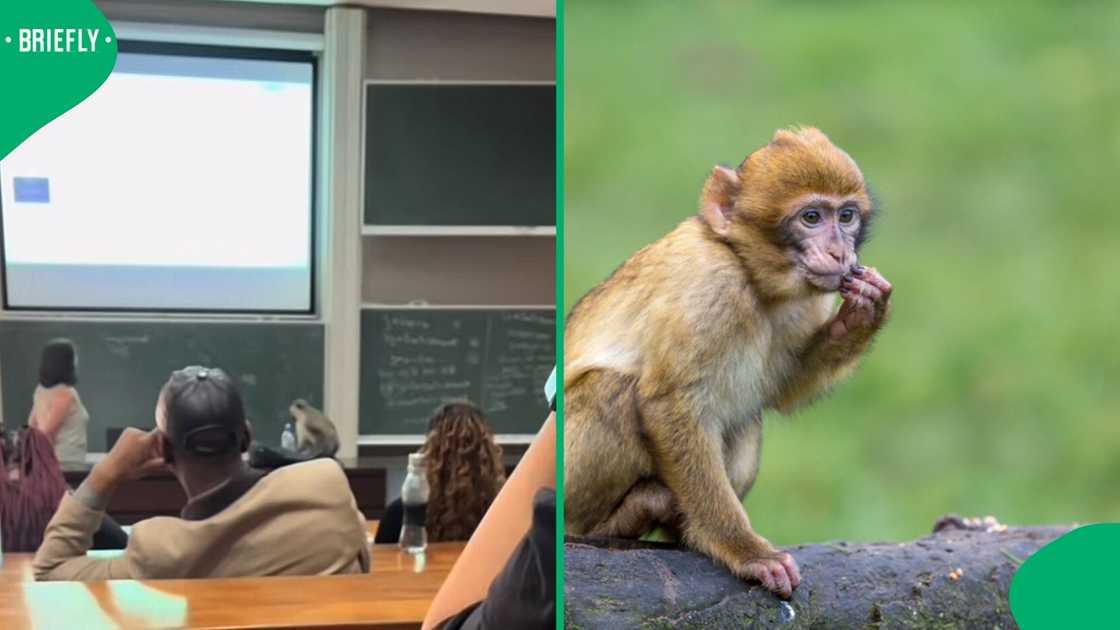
{"type": "Point", "coordinates": [718, 199]}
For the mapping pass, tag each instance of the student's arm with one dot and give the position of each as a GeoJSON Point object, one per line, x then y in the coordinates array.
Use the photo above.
{"type": "Point", "coordinates": [59, 405]}
{"type": "Point", "coordinates": [500, 532]}
{"type": "Point", "coordinates": [68, 536]}
{"type": "Point", "coordinates": [62, 556]}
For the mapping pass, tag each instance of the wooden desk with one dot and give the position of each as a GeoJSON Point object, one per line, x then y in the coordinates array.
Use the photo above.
{"type": "Point", "coordinates": [394, 595]}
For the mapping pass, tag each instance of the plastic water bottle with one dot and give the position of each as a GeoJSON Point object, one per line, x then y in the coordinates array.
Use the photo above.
{"type": "Point", "coordinates": [414, 497]}
{"type": "Point", "coordinates": [288, 438]}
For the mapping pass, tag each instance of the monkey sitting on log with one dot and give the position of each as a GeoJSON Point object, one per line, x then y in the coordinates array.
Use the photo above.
{"type": "Point", "coordinates": [671, 361]}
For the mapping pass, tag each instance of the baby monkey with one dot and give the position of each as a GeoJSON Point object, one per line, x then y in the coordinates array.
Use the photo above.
{"type": "Point", "coordinates": [671, 361]}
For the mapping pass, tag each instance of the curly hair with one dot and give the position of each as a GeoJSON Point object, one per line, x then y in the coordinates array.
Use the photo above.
{"type": "Point", "coordinates": [465, 470]}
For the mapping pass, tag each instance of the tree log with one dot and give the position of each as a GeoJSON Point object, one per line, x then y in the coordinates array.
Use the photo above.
{"type": "Point", "coordinates": [955, 578]}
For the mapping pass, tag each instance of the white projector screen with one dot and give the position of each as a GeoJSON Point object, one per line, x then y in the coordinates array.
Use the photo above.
{"type": "Point", "coordinates": [184, 183]}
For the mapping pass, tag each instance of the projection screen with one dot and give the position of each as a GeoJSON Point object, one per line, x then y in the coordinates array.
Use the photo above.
{"type": "Point", "coordinates": [184, 183]}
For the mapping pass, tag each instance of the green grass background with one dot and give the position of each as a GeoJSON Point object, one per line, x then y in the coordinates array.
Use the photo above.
{"type": "Point", "coordinates": [991, 133]}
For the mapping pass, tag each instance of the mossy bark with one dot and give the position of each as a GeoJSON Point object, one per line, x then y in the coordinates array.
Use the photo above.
{"type": "Point", "coordinates": [622, 584]}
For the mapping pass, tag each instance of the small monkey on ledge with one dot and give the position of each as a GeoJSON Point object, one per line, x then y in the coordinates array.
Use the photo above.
{"type": "Point", "coordinates": [671, 361]}
{"type": "Point", "coordinates": [316, 435]}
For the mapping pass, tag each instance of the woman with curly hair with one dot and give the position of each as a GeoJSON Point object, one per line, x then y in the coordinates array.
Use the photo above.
{"type": "Point", "coordinates": [465, 473]}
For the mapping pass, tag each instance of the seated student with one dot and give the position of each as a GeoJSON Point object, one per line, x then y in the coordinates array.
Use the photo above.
{"type": "Point", "coordinates": [297, 520]}
{"type": "Point", "coordinates": [465, 473]}
{"type": "Point", "coordinates": [506, 575]}
{"type": "Point", "coordinates": [31, 487]}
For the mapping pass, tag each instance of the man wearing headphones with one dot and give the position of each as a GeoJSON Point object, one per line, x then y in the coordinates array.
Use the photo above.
{"type": "Point", "coordinates": [297, 520]}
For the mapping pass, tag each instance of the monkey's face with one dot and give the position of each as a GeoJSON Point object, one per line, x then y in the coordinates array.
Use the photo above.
{"type": "Point", "coordinates": [821, 232]}
{"type": "Point", "coordinates": [796, 211]}
{"type": "Point", "coordinates": [299, 410]}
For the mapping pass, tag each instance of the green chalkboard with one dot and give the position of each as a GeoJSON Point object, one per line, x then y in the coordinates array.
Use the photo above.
{"type": "Point", "coordinates": [439, 154]}
{"type": "Point", "coordinates": [123, 365]}
{"type": "Point", "coordinates": [414, 359]}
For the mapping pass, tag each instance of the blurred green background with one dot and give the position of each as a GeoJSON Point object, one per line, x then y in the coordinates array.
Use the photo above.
{"type": "Point", "coordinates": [991, 133]}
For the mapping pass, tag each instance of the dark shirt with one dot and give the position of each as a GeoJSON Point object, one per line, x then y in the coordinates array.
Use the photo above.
{"type": "Point", "coordinates": [389, 529]}
{"type": "Point", "coordinates": [523, 595]}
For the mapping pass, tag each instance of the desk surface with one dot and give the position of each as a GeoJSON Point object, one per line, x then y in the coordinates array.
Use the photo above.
{"type": "Point", "coordinates": [395, 594]}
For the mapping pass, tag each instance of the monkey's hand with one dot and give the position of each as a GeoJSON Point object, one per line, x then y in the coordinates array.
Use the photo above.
{"type": "Point", "coordinates": [776, 570]}
{"type": "Point", "coordinates": [837, 346]}
{"type": "Point", "coordinates": [867, 297]}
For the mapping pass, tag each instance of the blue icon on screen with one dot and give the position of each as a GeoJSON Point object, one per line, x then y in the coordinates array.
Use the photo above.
{"type": "Point", "coordinates": [32, 189]}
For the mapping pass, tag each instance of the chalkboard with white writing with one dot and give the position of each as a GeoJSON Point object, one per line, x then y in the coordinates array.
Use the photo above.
{"type": "Point", "coordinates": [415, 359]}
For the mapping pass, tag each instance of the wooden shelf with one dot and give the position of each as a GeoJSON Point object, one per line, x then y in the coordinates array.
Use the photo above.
{"type": "Point", "coordinates": [459, 230]}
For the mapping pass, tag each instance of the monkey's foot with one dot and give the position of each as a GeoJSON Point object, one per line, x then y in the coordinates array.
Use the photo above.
{"type": "Point", "coordinates": [777, 571]}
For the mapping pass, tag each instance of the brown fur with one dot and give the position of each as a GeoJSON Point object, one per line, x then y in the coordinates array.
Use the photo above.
{"type": "Point", "coordinates": [316, 435]}
{"type": "Point", "coordinates": [669, 362]}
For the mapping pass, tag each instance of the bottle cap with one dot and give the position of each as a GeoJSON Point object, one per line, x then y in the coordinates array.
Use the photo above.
{"type": "Point", "coordinates": [415, 460]}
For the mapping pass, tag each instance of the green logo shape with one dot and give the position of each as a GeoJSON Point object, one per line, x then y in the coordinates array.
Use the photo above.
{"type": "Point", "coordinates": [1071, 582]}
{"type": "Point", "coordinates": [52, 56]}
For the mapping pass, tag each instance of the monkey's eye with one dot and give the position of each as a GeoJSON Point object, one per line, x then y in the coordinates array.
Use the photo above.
{"type": "Point", "coordinates": [811, 217]}
{"type": "Point", "coordinates": [846, 215]}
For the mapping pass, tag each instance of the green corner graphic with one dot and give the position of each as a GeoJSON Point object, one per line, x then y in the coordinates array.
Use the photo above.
{"type": "Point", "coordinates": [53, 55]}
{"type": "Point", "coordinates": [1070, 582]}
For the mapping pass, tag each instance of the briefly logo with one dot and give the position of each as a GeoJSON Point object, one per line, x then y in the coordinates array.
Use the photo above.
{"type": "Point", "coordinates": [48, 69]}
{"type": "Point", "coordinates": [57, 40]}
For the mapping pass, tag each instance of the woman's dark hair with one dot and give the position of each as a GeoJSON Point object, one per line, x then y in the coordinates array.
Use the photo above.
{"type": "Point", "coordinates": [56, 364]}
{"type": "Point", "coordinates": [465, 470]}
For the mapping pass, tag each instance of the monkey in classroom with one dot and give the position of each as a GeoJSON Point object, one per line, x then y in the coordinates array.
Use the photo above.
{"type": "Point", "coordinates": [671, 362]}
{"type": "Point", "coordinates": [316, 435]}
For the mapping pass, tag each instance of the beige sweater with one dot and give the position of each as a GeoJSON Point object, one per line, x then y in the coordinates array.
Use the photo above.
{"type": "Point", "coordinates": [298, 520]}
